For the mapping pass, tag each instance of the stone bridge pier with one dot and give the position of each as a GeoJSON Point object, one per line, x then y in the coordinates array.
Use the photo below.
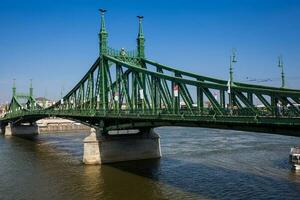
{"type": "Point", "coordinates": [120, 146]}
{"type": "Point", "coordinates": [20, 129]}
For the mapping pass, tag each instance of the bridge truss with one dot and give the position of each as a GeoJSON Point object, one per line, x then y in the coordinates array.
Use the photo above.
{"type": "Point", "coordinates": [124, 89]}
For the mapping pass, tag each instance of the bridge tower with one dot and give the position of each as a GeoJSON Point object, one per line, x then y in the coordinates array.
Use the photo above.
{"type": "Point", "coordinates": [103, 68]}
{"type": "Point", "coordinates": [141, 55]}
{"type": "Point", "coordinates": [101, 147]}
{"type": "Point", "coordinates": [141, 39]}
{"type": "Point", "coordinates": [30, 89]}
{"type": "Point", "coordinates": [14, 89]}
{"type": "Point", "coordinates": [13, 105]}
{"type": "Point", "coordinates": [31, 100]}
{"type": "Point", "coordinates": [102, 34]}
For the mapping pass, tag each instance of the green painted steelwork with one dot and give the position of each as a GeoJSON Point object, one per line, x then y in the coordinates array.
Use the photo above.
{"type": "Point", "coordinates": [124, 89]}
{"type": "Point", "coordinates": [21, 101]}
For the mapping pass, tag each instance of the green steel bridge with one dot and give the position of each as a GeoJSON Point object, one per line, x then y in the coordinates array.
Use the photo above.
{"type": "Point", "coordinates": [125, 90]}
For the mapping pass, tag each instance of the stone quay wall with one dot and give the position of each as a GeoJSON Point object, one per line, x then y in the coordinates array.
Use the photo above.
{"type": "Point", "coordinates": [59, 125]}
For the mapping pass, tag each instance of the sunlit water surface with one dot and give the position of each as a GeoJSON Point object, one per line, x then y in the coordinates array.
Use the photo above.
{"type": "Point", "coordinates": [196, 164]}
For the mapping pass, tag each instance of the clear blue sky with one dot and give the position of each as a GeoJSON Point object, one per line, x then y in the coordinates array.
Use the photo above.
{"type": "Point", "coordinates": [54, 42]}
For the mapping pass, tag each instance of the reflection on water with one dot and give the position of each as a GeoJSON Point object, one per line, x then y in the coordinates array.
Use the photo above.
{"type": "Point", "coordinates": [196, 164]}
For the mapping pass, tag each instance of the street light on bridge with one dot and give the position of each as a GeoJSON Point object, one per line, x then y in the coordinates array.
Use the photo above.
{"type": "Point", "coordinates": [232, 62]}
{"type": "Point", "coordinates": [280, 65]}
{"type": "Point", "coordinates": [230, 81]}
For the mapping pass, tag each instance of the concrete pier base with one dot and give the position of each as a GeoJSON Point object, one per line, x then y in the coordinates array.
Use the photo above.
{"type": "Point", "coordinates": [8, 130]}
{"type": "Point", "coordinates": [31, 129]}
{"type": "Point", "coordinates": [2, 129]}
{"type": "Point", "coordinates": [91, 150]}
{"type": "Point", "coordinates": [101, 149]}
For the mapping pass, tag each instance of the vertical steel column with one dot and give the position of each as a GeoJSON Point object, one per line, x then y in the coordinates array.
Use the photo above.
{"type": "Point", "coordinates": [74, 100]}
{"type": "Point", "coordinates": [126, 82]}
{"type": "Point", "coordinates": [133, 91]}
{"type": "Point", "coordinates": [222, 98]}
{"type": "Point", "coordinates": [143, 92]}
{"type": "Point", "coordinates": [158, 95]}
{"type": "Point", "coordinates": [81, 92]}
{"type": "Point", "coordinates": [154, 95]}
{"type": "Point", "coordinates": [231, 101]}
{"type": "Point", "coordinates": [175, 98]}
{"type": "Point", "coordinates": [250, 97]}
{"type": "Point", "coordinates": [141, 88]}
{"type": "Point", "coordinates": [200, 98]}
{"type": "Point", "coordinates": [144, 88]}
{"type": "Point", "coordinates": [176, 95]}
{"type": "Point", "coordinates": [91, 90]}
{"type": "Point", "coordinates": [103, 84]}
{"type": "Point", "coordinates": [274, 102]}
{"type": "Point", "coordinates": [117, 95]}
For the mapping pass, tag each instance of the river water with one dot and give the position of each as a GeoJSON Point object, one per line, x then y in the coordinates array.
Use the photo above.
{"type": "Point", "coordinates": [197, 163]}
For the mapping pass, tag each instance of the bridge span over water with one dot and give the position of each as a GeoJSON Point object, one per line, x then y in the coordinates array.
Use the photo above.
{"type": "Point", "coordinates": [124, 90]}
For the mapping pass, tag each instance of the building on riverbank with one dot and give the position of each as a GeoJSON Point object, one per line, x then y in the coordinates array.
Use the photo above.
{"type": "Point", "coordinates": [3, 109]}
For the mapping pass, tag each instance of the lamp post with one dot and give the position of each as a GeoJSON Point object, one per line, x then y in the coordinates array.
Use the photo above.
{"type": "Point", "coordinates": [280, 65]}
{"type": "Point", "coordinates": [230, 82]}
{"type": "Point", "coordinates": [232, 62]}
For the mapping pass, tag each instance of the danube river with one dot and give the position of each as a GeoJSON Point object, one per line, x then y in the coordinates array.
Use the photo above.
{"type": "Point", "coordinates": [196, 164]}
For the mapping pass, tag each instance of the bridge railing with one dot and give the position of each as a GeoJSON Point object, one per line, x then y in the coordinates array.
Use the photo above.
{"type": "Point", "coordinates": [122, 53]}
{"type": "Point", "coordinates": [243, 112]}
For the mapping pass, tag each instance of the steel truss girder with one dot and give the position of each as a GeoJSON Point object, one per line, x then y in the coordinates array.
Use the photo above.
{"type": "Point", "coordinates": [150, 93]}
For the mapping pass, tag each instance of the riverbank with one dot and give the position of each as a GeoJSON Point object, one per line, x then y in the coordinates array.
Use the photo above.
{"type": "Point", "coordinates": [58, 125]}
